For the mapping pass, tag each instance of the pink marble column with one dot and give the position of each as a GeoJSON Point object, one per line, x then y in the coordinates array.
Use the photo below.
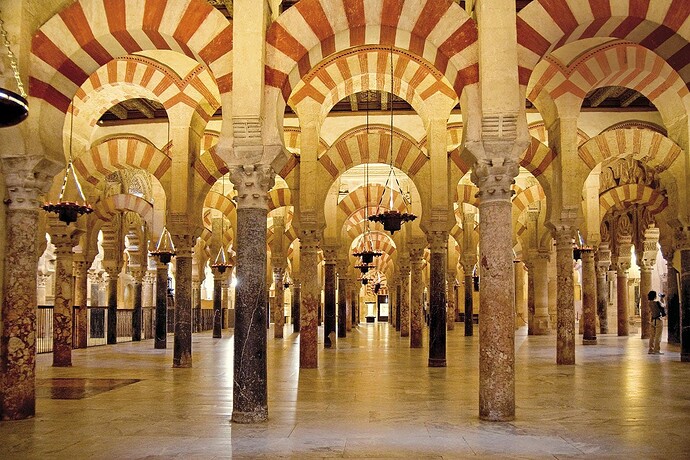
{"type": "Point", "coordinates": [250, 380]}
{"type": "Point", "coordinates": [589, 298]}
{"type": "Point", "coordinates": [450, 301]}
{"type": "Point", "coordinates": [497, 291]}
{"type": "Point", "coordinates": [622, 268]}
{"type": "Point", "coordinates": [80, 270]}
{"type": "Point", "coordinates": [416, 301]}
{"type": "Point", "coordinates": [311, 299]}
{"type": "Point", "coordinates": [61, 237]}
{"type": "Point", "coordinates": [405, 297]}
{"type": "Point", "coordinates": [645, 287]}
{"type": "Point", "coordinates": [603, 262]}
{"type": "Point", "coordinates": [18, 339]}
{"type": "Point", "coordinates": [565, 303]}
{"type": "Point", "coordinates": [279, 310]}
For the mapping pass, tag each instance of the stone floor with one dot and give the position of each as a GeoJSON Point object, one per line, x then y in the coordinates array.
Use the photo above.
{"type": "Point", "coordinates": [372, 397]}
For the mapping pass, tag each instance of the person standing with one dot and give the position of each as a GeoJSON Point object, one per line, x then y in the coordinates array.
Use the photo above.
{"type": "Point", "coordinates": [657, 313]}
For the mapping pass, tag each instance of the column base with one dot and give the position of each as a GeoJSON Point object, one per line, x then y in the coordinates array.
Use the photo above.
{"type": "Point", "coordinates": [436, 362]}
{"type": "Point", "coordinates": [257, 416]}
{"type": "Point", "coordinates": [160, 345]}
{"type": "Point", "coordinates": [685, 357]}
{"type": "Point", "coordinates": [589, 341]}
{"type": "Point", "coordinates": [217, 335]}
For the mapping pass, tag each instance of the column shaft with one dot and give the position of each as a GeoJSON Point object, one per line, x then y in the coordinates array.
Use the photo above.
{"type": "Point", "coordinates": [469, 304]}
{"type": "Point", "coordinates": [296, 305]}
{"type": "Point", "coordinates": [565, 303]}
{"type": "Point", "coordinates": [112, 306]}
{"type": "Point", "coordinates": [416, 301]}
{"type": "Point", "coordinates": [250, 397]}
{"type": "Point", "coordinates": [672, 303]}
{"type": "Point", "coordinates": [437, 299]}
{"type": "Point", "coordinates": [161, 339]}
{"type": "Point", "coordinates": [329, 327]}
{"type": "Point", "coordinates": [602, 299]}
{"type": "Point", "coordinates": [589, 299]}
{"type": "Point", "coordinates": [217, 306]}
{"type": "Point", "coordinates": [405, 303]}
{"type": "Point", "coordinates": [645, 312]}
{"type": "Point", "coordinates": [279, 311]}
{"type": "Point", "coordinates": [82, 312]}
{"type": "Point", "coordinates": [182, 344]}
{"type": "Point", "coordinates": [450, 302]}
{"type": "Point", "coordinates": [342, 306]}
{"type": "Point", "coordinates": [138, 311]}
{"type": "Point", "coordinates": [309, 307]}
{"type": "Point", "coordinates": [62, 312]}
{"type": "Point", "coordinates": [622, 301]}
{"type": "Point", "coordinates": [398, 301]}
{"type": "Point", "coordinates": [18, 344]}
{"type": "Point", "coordinates": [685, 305]}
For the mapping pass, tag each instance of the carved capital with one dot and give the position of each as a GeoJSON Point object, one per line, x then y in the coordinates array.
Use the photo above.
{"type": "Point", "coordinates": [309, 240]}
{"type": "Point", "coordinates": [26, 179]}
{"type": "Point", "coordinates": [438, 242]}
{"type": "Point", "coordinates": [137, 273]}
{"type": "Point", "coordinates": [494, 178]}
{"type": "Point", "coordinates": [184, 243]}
{"type": "Point", "coordinates": [252, 183]}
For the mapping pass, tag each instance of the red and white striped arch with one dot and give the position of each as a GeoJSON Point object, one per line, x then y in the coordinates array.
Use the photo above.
{"type": "Point", "coordinates": [373, 146]}
{"type": "Point", "coordinates": [621, 197]}
{"type": "Point", "coordinates": [656, 150]}
{"type": "Point", "coordinates": [121, 152]}
{"type": "Point", "coordinates": [357, 199]}
{"type": "Point", "coordinates": [380, 242]}
{"type": "Point", "coordinates": [437, 30]}
{"type": "Point", "coordinates": [466, 193]}
{"type": "Point", "coordinates": [545, 25]}
{"type": "Point", "coordinates": [209, 140]}
{"type": "Point", "coordinates": [368, 68]}
{"type": "Point", "coordinates": [138, 76]}
{"type": "Point", "coordinates": [108, 207]}
{"type": "Point", "coordinates": [88, 34]}
{"type": "Point", "coordinates": [613, 64]}
{"type": "Point", "coordinates": [526, 197]}
{"type": "Point", "coordinates": [279, 197]}
{"type": "Point", "coordinates": [210, 167]}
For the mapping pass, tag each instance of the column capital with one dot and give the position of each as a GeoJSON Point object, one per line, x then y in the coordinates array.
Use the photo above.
{"type": "Point", "coordinates": [79, 268]}
{"type": "Point", "coordinates": [111, 268]}
{"type": "Point", "coordinates": [438, 241]}
{"type": "Point", "coordinates": [27, 178]}
{"type": "Point", "coordinates": [330, 253]}
{"type": "Point", "coordinates": [252, 183]}
{"type": "Point", "coordinates": [494, 178]}
{"type": "Point", "coordinates": [137, 273]}
{"type": "Point", "coordinates": [184, 242]}
{"type": "Point", "coordinates": [309, 239]}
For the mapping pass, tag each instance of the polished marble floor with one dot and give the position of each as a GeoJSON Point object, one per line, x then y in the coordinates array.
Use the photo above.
{"type": "Point", "coordinates": [372, 397]}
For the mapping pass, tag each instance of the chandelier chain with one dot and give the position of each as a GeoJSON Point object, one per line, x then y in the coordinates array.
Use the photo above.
{"type": "Point", "coordinates": [13, 58]}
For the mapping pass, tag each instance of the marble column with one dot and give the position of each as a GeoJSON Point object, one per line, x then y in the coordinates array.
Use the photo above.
{"type": "Point", "coordinates": [137, 316]}
{"type": "Point", "coordinates": [279, 310]}
{"type": "Point", "coordinates": [645, 287]}
{"type": "Point", "coordinates": [196, 303]}
{"type": "Point", "coordinates": [603, 259]}
{"type": "Point", "coordinates": [622, 267]}
{"type": "Point", "coordinates": [398, 301]}
{"type": "Point", "coordinates": [250, 396]}
{"type": "Point", "coordinates": [497, 293]}
{"type": "Point", "coordinates": [450, 296]}
{"type": "Point", "coordinates": [589, 298]}
{"type": "Point", "coordinates": [80, 270]}
{"type": "Point", "coordinates": [542, 323]}
{"type": "Point", "coordinates": [161, 339]}
{"type": "Point", "coordinates": [531, 306]}
{"type": "Point", "coordinates": [469, 302]}
{"type": "Point", "coordinates": [416, 297]}
{"type": "Point", "coordinates": [672, 300]}
{"type": "Point", "coordinates": [329, 327]}
{"type": "Point", "coordinates": [520, 305]}
{"type": "Point", "coordinates": [62, 313]}
{"type": "Point", "coordinates": [95, 280]}
{"type": "Point", "coordinates": [342, 298]}
{"type": "Point", "coordinates": [685, 305]}
{"type": "Point", "coordinates": [17, 385]}
{"type": "Point", "coordinates": [182, 342]}
{"type": "Point", "coordinates": [438, 243]}
{"type": "Point", "coordinates": [405, 297]}
{"type": "Point", "coordinates": [296, 304]}
{"type": "Point", "coordinates": [349, 299]}
{"type": "Point", "coordinates": [113, 272]}
{"type": "Point", "coordinates": [311, 299]}
{"type": "Point", "coordinates": [218, 303]}
{"type": "Point", "coordinates": [565, 303]}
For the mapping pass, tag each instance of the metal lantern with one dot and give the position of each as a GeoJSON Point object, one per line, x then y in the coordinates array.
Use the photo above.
{"type": "Point", "coordinates": [13, 107]}
{"type": "Point", "coordinates": [165, 249]}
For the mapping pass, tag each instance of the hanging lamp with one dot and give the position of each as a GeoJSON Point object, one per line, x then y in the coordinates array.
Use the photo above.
{"type": "Point", "coordinates": [364, 268]}
{"type": "Point", "coordinates": [366, 252]}
{"type": "Point", "coordinates": [222, 263]}
{"type": "Point", "coordinates": [165, 249]}
{"type": "Point", "coordinates": [69, 211]}
{"type": "Point", "coordinates": [13, 107]}
{"type": "Point", "coordinates": [392, 219]}
{"type": "Point", "coordinates": [287, 282]}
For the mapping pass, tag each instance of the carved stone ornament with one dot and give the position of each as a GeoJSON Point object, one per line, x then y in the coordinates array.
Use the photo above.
{"type": "Point", "coordinates": [252, 183]}
{"type": "Point", "coordinates": [494, 178]}
{"type": "Point", "coordinates": [623, 171]}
